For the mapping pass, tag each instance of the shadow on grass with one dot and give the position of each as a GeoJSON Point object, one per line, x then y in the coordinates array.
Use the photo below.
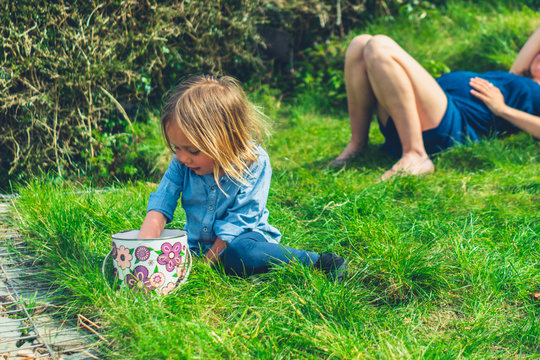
{"type": "Point", "coordinates": [372, 159]}
{"type": "Point", "coordinates": [513, 150]}
{"type": "Point", "coordinates": [465, 159]}
{"type": "Point", "coordinates": [517, 149]}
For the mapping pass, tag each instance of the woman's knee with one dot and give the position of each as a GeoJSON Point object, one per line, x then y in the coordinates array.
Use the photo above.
{"type": "Point", "coordinates": [378, 48]}
{"type": "Point", "coordinates": [356, 47]}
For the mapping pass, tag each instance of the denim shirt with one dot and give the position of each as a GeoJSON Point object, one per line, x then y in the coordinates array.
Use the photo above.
{"type": "Point", "coordinates": [209, 212]}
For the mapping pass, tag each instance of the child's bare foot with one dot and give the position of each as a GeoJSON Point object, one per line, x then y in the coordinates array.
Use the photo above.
{"type": "Point", "coordinates": [347, 156]}
{"type": "Point", "coordinates": [410, 164]}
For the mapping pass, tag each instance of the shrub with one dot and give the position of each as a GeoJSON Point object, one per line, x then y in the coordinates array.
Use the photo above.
{"type": "Point", "coordinates": [76, 80]}
{"type": "Point", "coordinates": [73, 79]}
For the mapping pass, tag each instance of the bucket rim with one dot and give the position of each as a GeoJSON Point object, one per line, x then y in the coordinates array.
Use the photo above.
{"type": "Point", "coordinates": [170, 234]}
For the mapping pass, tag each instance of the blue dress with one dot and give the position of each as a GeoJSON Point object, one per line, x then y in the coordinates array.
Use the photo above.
{"type": "Point", "coordinates": [468, 118]}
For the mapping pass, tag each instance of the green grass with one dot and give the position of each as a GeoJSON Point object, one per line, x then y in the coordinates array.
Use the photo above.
{"type": "Point", "coordinates": [442, 266]}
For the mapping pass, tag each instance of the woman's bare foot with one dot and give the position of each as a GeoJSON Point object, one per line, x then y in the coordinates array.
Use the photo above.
{"type": "Point", "coordinates": [348, 155]}
{"type": "Point", "coordinates": [410, 164]}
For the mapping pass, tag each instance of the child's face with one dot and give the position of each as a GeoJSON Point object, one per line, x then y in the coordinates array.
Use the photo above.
{"type": "Point", "coordinates": [187, 153]}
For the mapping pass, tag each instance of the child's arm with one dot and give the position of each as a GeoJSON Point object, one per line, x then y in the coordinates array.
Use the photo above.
{"type": "Point", "coordinates": [162, 202]}
{"type": "Point", "coordinates": [527, 54]}
{"type": "Point", "coordinates": [212, 256]}
{"type": "Point", "coordinates": [153, 225]}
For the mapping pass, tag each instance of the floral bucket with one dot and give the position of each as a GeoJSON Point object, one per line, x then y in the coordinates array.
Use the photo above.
{"type": "Point", "coordinates": [150, 265]}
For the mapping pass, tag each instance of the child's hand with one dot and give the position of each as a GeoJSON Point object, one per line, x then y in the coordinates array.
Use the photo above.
{"type": "Point", "coordinates": [152, 226]}
{"type": "Point", "coordinates": [212, 256]}
{"type": "Point", "coordinates": [489, 94]}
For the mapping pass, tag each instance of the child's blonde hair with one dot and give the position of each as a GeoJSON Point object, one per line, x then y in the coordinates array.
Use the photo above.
{"type": "Point", "coordinates": [216, 116]}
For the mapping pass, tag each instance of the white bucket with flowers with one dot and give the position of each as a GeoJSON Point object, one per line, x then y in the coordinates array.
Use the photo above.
{"type": "Point", "coordinates": [150, 265]}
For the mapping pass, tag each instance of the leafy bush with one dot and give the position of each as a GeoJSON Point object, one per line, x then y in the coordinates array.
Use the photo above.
{"type": "Point", "coordinates": [78, 81]}
{"type": "Point", "coordinates": [320, 71]}
{"type": "Point", "coordinates": [73, 79]}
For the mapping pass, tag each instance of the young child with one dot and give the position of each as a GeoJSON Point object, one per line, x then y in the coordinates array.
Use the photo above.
{"type": "Point", "coordinates": [223, 179]}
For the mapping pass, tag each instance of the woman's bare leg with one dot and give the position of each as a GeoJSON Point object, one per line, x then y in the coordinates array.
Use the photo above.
{"type": "Point", "coordinates": [360, 100]}
{"type": "Point", "coordinates": [405, 91]}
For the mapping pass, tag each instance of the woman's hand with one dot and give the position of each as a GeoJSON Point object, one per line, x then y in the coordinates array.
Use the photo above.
{"type": "Point", "coordinates": [489, 94]}
{"type": "Point", "coordinates": [494, 100]}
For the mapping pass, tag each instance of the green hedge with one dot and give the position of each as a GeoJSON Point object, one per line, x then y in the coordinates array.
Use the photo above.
{"type": "Point", "coordinates": [67, 73]}
{"type": "Point", "coordinates": [77, 78]}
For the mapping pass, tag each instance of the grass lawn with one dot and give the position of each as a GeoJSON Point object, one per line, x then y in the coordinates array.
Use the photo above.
{"type": "Point", "coordinates": [442, 266]}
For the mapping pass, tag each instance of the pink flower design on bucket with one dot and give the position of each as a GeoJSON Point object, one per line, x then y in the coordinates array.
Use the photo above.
{"type": "Point", "coordinates": [172, 255]}
{"type": "Point", "coordinates": [123, 257]}
{"type": "Point", "coordinates": [167, 289]}
{"type": "Point", "coordinates": [142, 253]}
{"type": "Point", "coordinates": [157, 279]}
{"type": "Point", "coordinates": [139, 281]}
{"type": "Point", "coordinates": [114, 251]}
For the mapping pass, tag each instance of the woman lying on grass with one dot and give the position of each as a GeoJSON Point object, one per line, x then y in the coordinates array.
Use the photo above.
{"type": "Point", "coordinates": [419, 115]}
{"type": "Point", "coordinates": [222, 177]}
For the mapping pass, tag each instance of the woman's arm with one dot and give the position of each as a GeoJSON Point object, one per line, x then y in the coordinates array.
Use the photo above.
{"type": "Point", "coordinates": [494, 100]}
{"type": "Point", "coordinates": [522, 120]}
{"type": "Point", "coordinates": [527, 53]}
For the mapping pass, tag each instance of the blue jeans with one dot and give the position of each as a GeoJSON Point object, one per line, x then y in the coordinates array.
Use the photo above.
{"type": "Point", "coordinates": [251, 253]}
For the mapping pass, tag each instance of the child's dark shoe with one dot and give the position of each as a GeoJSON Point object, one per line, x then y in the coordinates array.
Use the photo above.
{"type": "Point", "coordinates": [333, 265]}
